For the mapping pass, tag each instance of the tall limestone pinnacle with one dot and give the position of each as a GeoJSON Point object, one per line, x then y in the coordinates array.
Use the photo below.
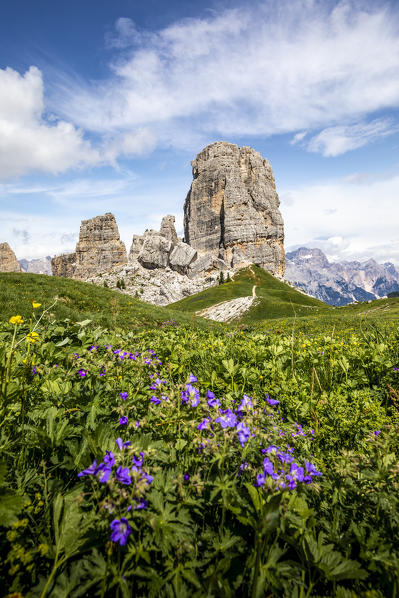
{"type": "Point", "coordinates": [232, 209]}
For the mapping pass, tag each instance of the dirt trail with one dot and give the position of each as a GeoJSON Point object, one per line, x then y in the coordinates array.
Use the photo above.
{"type": "Point", "coordinates": [255, 285]}
{"type": "Point", "coordinates": [230, 310]}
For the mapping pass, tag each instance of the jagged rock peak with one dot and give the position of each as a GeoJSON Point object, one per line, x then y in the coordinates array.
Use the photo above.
{"type": "Point", "coordinates": [232, 209]}
{"type": "Point", "coordinates": [168, 228]}
{"type": "Point", "coordinates": [8, 260]}
{"type": "Point", "coordinates": [99, 249]}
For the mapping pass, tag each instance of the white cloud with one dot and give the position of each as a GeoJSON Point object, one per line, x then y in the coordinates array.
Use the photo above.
{"type": "Point", "coordinates": [334, 141]}
{"type": "Point", "coordinates": [347, 221]}
{"type": "Point", "coordinates": [29, 142]}
{"type": "Point", "coordinates": [264, 69]}
{"type": "Point", "coordinates": [52, 224]}
{"type": "Point", "coordinates": [298, 137]}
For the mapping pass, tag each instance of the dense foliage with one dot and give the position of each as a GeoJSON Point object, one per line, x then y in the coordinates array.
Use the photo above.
{"type": "Point", "coordinates": [180, 462]}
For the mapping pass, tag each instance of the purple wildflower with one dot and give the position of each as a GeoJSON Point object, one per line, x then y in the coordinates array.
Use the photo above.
{"type": "Point", "coordinates": [272, 401]}
{"type": "Point", "coordinates": [212, 402]}
{"type": "Point", "coordinates": [246, 403]}
{"type": "Point", "coordinates": [155, 400]}
{"type": "Point", "coordinates": [142, 504]}
{"type": "Point", "coordinates": [243, 433]}
{"type": "Point", "coordinates": [377, 432]}
{"type": "Point", "coordinates": [228, 419]}
{"type": "Point", "coordinates": [122, 475]}
{"type": "Point", "coordinates": [311, 469]}
{"type": "Point", "coordinates": [186, 477]}
{"type": "Point", "coordinates": [260, 480]}
{"type": "Point", "coordinates": [121, 445]}
{"type": "Point", "coordinates": [89, 471]}
{"type": "Point", "coordinates": [192, 378]}
{"type": "Point", "coordinates": [138, 462]}
{"type": "Point", "coordinates": [148, 477]}
{"type": "Point", "coordinates": [123, 395]}
{"type": "Point", "coordinates": [123, 420]}
{"type": "Point", "coordinates": [204, 424]}
{"type": "Point", "coordinates": [109, 459]}
{"type": "Point", "coordinates": [103, 472]}
{"type": "Point", "coordinates": [120, 530]}
{"type": "Point", "coordinates": [82, 373]}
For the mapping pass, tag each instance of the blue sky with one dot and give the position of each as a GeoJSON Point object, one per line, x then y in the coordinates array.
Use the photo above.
{"type": "Point", "coordinates": [103, 105]}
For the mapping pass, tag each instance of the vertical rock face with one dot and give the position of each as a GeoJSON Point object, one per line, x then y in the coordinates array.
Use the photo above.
{"type": "Point", "coordinates": [8, 260]}
{"type": "Point", "coordinates": [99, 249]}
{"type": "Point", "coordinates": [64, 265]}
{"type": "Point", "coordinates": [232, 209]}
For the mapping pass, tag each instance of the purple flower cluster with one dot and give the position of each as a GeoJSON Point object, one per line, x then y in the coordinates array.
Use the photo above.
{"type": "Point", "coordinates": [123, 474]}
{"type": "Point", "coordinates": [285, 473]}
{"type": "Point", "coordinates": [191, 395]}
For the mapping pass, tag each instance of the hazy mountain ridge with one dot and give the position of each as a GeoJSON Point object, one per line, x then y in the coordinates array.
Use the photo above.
{"type": "Point", "coordinates": [41, 265]}
{"type": "Point", "coordinates": [339, 283]}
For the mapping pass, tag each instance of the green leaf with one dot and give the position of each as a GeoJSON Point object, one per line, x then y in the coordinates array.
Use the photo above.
{"type": "Point", "coordinates": [180, 444]}
{"type": "Point", "coordinates": [11, 504]}
{"type": "Point", "coordinates": [64, 342]}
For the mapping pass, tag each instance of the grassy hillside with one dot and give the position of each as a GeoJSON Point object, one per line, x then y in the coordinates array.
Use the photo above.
{"type": "Point", "coordinates": [276, 299]}
{"type": "Point", "coordinates": [172, 461]}
{"type": "Point", "coordinates": [79, 301]}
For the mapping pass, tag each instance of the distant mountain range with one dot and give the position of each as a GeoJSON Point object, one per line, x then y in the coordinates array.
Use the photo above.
{"type": "Point", "coordinates": [336, 283]}
{"type": "Point", "coordinates": [40, 265]}
{"type": "Point", "coordinates": [340, 283]}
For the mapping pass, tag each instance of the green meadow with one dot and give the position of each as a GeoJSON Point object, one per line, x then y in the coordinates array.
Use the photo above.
{"type": "Point", "coordinates": [145, 451]}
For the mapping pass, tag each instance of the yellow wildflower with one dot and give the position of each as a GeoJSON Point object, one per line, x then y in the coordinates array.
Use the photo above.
{"type": "Point", "coordinates": [43, 549]}
{"type": "Point", "coordinates": [16, 320]}
{"type": "Point", "coordinates": [35, 304]}
{"type": "Point", "coordinates": [32, 337]}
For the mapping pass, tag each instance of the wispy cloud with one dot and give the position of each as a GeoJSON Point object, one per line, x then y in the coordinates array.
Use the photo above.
{"type": "Point", "coordinates": [317, 70]}
{"type": "Point", "coordinates": [264, 69]}
{"type": "Point", "coordinates": [334, 141]}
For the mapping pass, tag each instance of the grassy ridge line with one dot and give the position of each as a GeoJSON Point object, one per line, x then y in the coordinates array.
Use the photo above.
{"type": "Point", "coordinates": [80, 300]}
{"type": "Point", "coordinates": [275, 299]}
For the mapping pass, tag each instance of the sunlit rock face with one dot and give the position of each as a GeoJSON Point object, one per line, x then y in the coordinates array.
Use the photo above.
{"type": "Point", "coordinates": [8, 260]}
{"type": "Point", "coordinates": [232, 209]}
{"type": "Point", "coordinates": [99, 249]}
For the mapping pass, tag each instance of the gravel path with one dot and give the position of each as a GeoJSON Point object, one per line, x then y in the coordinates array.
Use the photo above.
{"type": "Point", "coordinates": [228, 310]}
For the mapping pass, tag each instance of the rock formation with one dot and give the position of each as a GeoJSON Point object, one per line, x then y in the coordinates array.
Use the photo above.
{"type": "Point", "coordinates": [231, 219]}
{"type": "Point", "coordinates": [8, 260]}
{"type": "Point", "coordinates": [64, 265]}
{"type": "Point", "coordinates": [162, 249]}
{"type": "Point", "coordinates": [232, 209]}
{"type": "Point", "coordinates": [99, 249]}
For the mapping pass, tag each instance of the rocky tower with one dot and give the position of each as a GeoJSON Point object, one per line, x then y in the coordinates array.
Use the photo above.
{"type": "Point", "coordinates": [232, 209]}
{"type": "Point", "coordinates": [8, 260]}
{"type": "Point", "coordinates": [99, 249]}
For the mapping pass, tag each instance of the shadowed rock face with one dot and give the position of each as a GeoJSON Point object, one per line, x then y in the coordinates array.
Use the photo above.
{"type": "Point", "coordinates": [64, 265]}
{"type": "Point", "coordinates": [232, 209]}
{"type": "Point", "coordinates": [99, 249]}
{"type": "Point", "coordinates": [8, 260]}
